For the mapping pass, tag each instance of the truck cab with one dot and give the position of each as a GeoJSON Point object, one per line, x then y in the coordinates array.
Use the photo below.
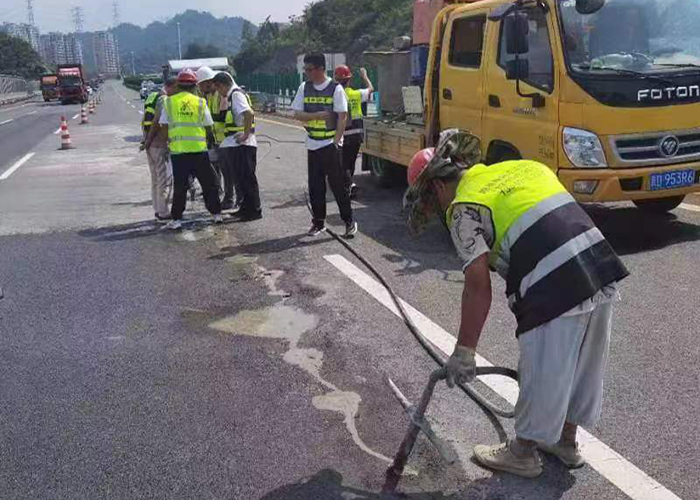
{"type": "Point", "coordinates": [606, 93]}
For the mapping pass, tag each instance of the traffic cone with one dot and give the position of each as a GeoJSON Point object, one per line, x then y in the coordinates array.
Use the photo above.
{"type": "Point", "coordinates": [65, 135]}
{"type": "Point", "coordinates": [83, 116]}
{"type": "Point", "coordinates": [91, 107]}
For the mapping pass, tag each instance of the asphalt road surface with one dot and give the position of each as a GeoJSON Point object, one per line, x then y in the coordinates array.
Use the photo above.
{"type": "Point", "coordinates": [248, 361]}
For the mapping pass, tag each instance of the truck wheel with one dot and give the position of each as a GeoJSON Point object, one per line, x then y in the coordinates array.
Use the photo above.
{"type": "Point", "coordinates": [384, 172]}
{"type": "Point", "coordinates": [660, 205]}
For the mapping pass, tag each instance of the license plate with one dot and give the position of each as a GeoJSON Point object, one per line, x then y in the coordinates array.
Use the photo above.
{"type": "Point", "coordinates": [672, 180]}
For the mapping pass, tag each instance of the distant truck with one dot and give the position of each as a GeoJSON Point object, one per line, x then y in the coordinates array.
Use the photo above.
{"type": "Point", "coordinates": [71, 84]}
{"type": "Point", "coordinates": [49, 87]}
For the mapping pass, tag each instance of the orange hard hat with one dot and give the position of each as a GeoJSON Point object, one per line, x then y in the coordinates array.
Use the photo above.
{"type": "Point", "coordinates": [418, 163]}
{"type": "Point", "coordinates": [342, 72]}
{"type": "Point", "coordinates": [187, 76]}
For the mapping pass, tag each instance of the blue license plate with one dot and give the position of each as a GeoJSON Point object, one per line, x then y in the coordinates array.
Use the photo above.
{"type": "Point", "coordinates": [672, 180]}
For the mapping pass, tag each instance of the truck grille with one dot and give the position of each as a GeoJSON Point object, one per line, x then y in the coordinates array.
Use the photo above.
{"type": "Point", "coordinates": [645, 149]}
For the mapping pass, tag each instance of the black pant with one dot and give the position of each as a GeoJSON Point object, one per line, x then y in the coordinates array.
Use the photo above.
{"type": "Point", "coordinates": [351, 148]}
{"type": "Point", "coordinates": [231, 183]}
{"type": "Point", "coordinates": [198, 164]}
{"type": "Point", "coordinates": [326, 162]}
{"type": "Point", "coordinates": [245, 160]}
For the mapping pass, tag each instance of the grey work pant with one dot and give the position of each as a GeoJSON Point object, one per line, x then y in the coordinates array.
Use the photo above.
{"type": "Point", "coordinates": [561, 368]}
{"type": "Point", "coordinates": [161, 179]}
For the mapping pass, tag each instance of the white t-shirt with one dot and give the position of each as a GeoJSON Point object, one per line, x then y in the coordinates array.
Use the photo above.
{"type": "Point", "coordinates": [208, 120]}
{"type": "Point", "coordinates": [239, 105]}
{"type": "Point", "coordinates": [365, 95]}
{"type": "Point", "coordinates": [340, 105]}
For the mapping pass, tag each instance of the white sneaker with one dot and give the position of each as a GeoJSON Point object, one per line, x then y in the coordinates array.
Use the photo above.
{"type": "Point", "coordinates": [218, 219]}
{"type": "Point", "coordinates": [174, 225]}
{"type": "Point", "coordinates": [568, 453]}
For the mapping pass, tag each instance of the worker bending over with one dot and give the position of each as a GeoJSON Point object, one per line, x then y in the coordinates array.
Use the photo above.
{"type": "Point", "coordinates": [321, 104]}
{"type": "Point", "coordinates": [561, 279]}
{"type": "Point", "coordinates": [189, 125]}
{"type": "Point", "coordinates": [354, 131]}
{"type": "Point", "coordinates": [239, 149]}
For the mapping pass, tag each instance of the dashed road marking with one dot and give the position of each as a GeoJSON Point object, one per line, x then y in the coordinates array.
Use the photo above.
{"type": "Point", "coordinates": [631, 480]}
{"type": "Point", "coordinates": [58, 131]}
{"type": "Point", "coordinates": [76, 116]}
{"type": "Point", "coordinates": [688, 206]}
{"type": "Point", "coordinates": [7, 121]}
{"type": "Point", "coordinates": [14, 167]}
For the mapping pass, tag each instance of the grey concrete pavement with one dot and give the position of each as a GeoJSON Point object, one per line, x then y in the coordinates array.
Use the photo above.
{"type": "Point", "coordinates": [235, 362]}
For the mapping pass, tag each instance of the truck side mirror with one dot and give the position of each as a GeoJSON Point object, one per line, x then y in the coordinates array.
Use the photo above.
{"type": "Point", "coordinates": [585, 7]}
{"type": "Point", "coordinates": [518, 69]}
{"type": "Point", "coordinates": [517, 28]}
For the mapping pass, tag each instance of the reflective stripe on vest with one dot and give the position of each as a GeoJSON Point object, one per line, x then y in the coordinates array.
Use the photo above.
{"type": "Point", "coordinates": [231, 127]}
{"type": "Point", "coordinates": [149, 109]}
{"type": "Point", "coordinates": [316, 101]}
{"type": "Point", "coordinates": [214, 103]}
{"type": "Point", "coordinates": [355, 116]}
{"type": "Point", "coordinates": [555, 256]}
{"type": "Point", "coordinates": [186, 130]}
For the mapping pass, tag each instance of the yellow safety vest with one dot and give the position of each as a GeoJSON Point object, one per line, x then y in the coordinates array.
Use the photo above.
{"type": "Point", "coordinates": [214, 103]}
{"type": "Point", "coordinates": [355, 118]}
{"type": "Point", "coordinates": [149, 110]}
{"type": "Point", "coordinates": [186, 129]}
{"type": "Point", "coordinates": [552, 254]}
{"type": "Point", "coordinates": [509, 189]}
{"type": "Point", "coordinates": [231, 128]}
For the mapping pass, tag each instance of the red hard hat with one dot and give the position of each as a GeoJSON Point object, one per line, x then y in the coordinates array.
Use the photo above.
{"type": "Point", "coordinates": [342, 72]}
{"type": "Point", "coordinates": [187, 76]}
{"type": "Point", "coordinates": [418, 163]}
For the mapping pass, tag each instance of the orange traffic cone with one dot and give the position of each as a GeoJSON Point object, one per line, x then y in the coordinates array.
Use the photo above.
{"type": "Point", "coordinates": [65, 135]}
{"type": "Point", "coordinates": [83, 116]}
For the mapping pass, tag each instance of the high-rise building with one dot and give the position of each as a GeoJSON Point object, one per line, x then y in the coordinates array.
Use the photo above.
{"type": "Point", "coordinates": [53, 48]}
{"type": "Point", "coordinates": [57, 48]}
{"type": "Point", "coordinates": [106, 50]}
{"type": "Point", "coordinates": [26, 32]}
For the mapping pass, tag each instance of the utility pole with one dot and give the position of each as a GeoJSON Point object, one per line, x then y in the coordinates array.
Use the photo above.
{"type": "Point", "coordinates": [115, 14]}
{"type": "Point", "coordinates": [133, 67]}
{"type": "Point", "coordinates": [30, 12]}
{"type": "Point", "coordinates": [78, 19]}
{"type": "Point", "coordinates": [179, 41]}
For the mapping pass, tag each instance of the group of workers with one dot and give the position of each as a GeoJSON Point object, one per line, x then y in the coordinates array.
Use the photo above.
{"type": "Point", "coordinates": [514, 218]}
{"type": "Point", "coordinates": [203, 125]}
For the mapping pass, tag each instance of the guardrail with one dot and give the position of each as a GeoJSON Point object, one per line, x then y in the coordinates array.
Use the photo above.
{"type": "Point", "coordinates": [14, 89]}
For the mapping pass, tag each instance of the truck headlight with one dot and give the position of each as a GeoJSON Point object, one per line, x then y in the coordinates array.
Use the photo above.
{"type": "Point", "coordinates": [583, 148]}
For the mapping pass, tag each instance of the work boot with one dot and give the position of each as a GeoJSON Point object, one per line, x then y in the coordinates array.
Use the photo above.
{"type": "Point", "coordinates": [567, 452]}
{"type": "Point", "coordinates": [500, 457]}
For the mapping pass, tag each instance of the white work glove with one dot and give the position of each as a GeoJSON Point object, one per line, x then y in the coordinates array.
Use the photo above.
{"type": "Point", "coordinates": [461, 367]}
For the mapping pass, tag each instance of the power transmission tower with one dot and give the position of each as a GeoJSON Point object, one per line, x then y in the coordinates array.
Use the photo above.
{"type": "Point", "coordinates": [30, 12]}
{"type": "Point", "coordinates": [78, 19]}
{"type": "Point", "coordinates": [115, 13]}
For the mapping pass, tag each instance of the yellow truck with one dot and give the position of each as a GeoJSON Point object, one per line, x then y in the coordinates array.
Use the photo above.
{"type": "Point", "coordinates": [605, 92]}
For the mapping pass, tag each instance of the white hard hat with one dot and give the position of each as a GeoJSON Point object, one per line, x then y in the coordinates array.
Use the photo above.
{"type": "Point", "coordinates": [205, 73]}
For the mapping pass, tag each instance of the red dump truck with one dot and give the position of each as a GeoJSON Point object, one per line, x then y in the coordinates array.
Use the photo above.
{"type": "Point", "coordinates": [71, 84]}
{"type": "Point", "coordinates": [49, 87]}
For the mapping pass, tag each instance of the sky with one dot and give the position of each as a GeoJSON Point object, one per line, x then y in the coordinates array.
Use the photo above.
{"type": "Point", "coordinates": [53, 15]}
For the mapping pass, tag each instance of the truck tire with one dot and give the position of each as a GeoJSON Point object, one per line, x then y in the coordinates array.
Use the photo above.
{"type": "Point", "coordinates": [660, 205]}
{"type": "Point", "coordinates": [385, 173]}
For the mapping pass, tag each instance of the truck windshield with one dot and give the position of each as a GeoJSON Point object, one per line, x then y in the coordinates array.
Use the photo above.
{"type": "Point", "coordinates": [628, 37]}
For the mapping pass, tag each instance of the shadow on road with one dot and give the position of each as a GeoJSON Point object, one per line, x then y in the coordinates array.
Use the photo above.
{"type": "Point", "coordinates": [272, 246]}
{"type": "Point", "coordinates": [631, 230]}
{"type": "Point", "coordinates": [327, 484]}
{"type": "Point", "coordinates": [145, 203]}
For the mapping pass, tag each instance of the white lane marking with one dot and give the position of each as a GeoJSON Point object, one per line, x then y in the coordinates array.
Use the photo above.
{"type": "Point", "coordinates": [58, 131]}
{"type": "Point", "coordinates": [631, 480]}
{"type": "Point", "coordinates": [16, 107]}
{"type": "Point", "coordinates": [7, 121]}
{"type": "Point", "coordinates": [141, 112]}
{"type": "Point", "coordinates": [279, 123]}
{"type": "Point", "coordinates": [76, 116]}
{"type": "Point", "coordinates": [684, 206]}
{"type": "Point", "coordinates": [32, 113]}
{"type": "Point", "coordinates": [14, 167]}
